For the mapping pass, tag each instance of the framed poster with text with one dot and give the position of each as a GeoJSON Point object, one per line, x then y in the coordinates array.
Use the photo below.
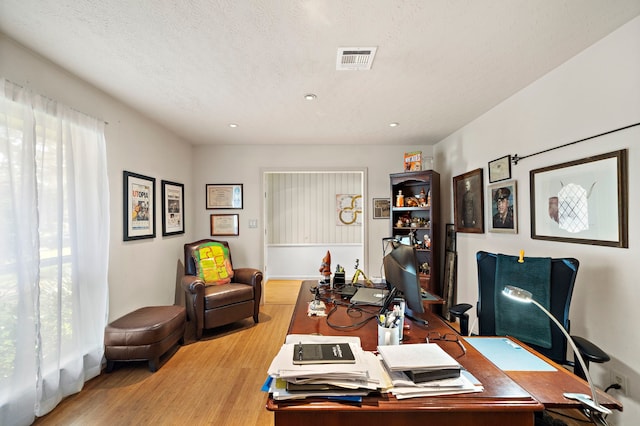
{"type": "Point", "coordinates": [139, 193]}
{"type": "Point", "coordinates": [172, 208]}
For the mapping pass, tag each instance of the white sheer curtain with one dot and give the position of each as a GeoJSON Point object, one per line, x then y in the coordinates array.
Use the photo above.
{"type": "Point", "coordinates": [54, 240]}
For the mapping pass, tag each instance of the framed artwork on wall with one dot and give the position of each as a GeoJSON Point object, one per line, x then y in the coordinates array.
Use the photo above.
{"type": "Point", "coordinates": [225, 224]}
{"type": "Point", "coordinates": [450, 280]}
{"type": "Point", "coordinates": [503, 209]}
{"type": "Point", "coordinates": [139, 215]}
{"type": "Point", "coordinates": [583, 201]}
{"type": "Point", "coordinates": [450, 237]}
{"type": "Point", "coordinates": [348, 209]}
{"type": "Point", "coordinates": [224, 196]}
{"type": "Point", "coordinates": [468, 202]}
{"type": "Point", "coordinates": [381, 208]}
{"type": "Point", "coordinates": [500, 169]}
{"type": "Point", "coordinates": [172, 208]}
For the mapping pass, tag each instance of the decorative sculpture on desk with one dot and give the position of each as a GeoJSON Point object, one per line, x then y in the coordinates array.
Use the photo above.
{"type": "Point", "coordinates": [316, 306]}
{"type": "Point", "coordinates": [357, 274]}
{"type": "Point", "coordinates": [325, 269]}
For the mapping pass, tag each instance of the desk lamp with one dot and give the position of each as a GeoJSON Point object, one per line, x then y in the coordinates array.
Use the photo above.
{"type": "Point", "coordinates": [525, 296]}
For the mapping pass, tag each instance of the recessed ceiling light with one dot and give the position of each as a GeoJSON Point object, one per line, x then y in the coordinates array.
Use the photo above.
{"type": "Point", "coordinates": [310, 96]}
{"type": "Point", "coordinates": [233, 125]}
{"type": "Point", "coordinates": [394, 124]}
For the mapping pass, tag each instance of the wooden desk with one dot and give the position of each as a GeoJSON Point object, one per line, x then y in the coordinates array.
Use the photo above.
{"type": "Point", "coordinates": [508, 398]}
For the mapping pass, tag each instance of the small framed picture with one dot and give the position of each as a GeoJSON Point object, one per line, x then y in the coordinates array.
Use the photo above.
{"type": "Point", "coordinates": [172, 208]}
{"type": "Point", "coordinates": [139, 194]}
{"type": "Point", "coordinates": [450, 237]}
{"type": "Point", "coordinates": [468, 202]}
{"type": "Point", "coordinates": [225, 224]}
{"type": "Point", "coordinates": [500, 169]}
{"type": "Point", "coordinates": [224, 196]}
{"type": "Point", "coordinates": [503, 210]}
{"type": "Point", "coordinates": [381, 208]}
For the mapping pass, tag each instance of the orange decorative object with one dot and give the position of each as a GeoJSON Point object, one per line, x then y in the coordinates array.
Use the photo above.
{"type": "Point", "coordinates": [325, 267]}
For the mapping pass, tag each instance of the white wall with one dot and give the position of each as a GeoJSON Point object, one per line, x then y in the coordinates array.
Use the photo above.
{"type": "Point", "coordinates": [596, 91]}
{"type": "Point", "coordinates": [141, 272]}
{"type": "Point", "coordinates": [245, 164]}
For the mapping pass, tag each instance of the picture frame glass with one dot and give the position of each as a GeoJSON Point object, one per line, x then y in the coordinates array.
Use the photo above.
{"type": "Point", "coordinates": [503, 210]}
{"type": "Point", "coordinates": [500, 169]}
{"type": "Point", "coordinates": [468, 195]}
{"type": "Point", "coordinates": [381, 208]}
{"type": "Point", "coordinates": [172, 208]}
{"type": "Point", "coordinates": [139, 193]}
{"type": "Point", "coordinates": [583, 201]}
{"type": "Point", "coordinates": [450, 237]}
{"type": "Point", "coordinates": [224, 196]}
{"type": "Point", "coordinates": [225, 225]}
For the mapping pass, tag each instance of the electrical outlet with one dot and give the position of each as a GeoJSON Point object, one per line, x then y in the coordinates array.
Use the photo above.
{"type": "Point", "coordinates": [621, 379]}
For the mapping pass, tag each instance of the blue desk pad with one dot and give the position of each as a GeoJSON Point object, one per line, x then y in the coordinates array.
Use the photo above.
{"type": "Point", "coordinates": [507, 355]}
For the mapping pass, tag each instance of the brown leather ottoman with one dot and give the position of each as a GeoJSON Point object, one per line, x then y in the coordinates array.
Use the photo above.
{"type": "Point", "coordinates": [144, 334]}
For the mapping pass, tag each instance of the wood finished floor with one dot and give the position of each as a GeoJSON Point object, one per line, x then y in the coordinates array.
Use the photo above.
{"type": "Point", "coordinates": [215, 381]}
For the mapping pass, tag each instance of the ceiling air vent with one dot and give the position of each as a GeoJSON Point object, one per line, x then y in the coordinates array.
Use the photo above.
{"type": "Point", "coordinates": [355, 58]}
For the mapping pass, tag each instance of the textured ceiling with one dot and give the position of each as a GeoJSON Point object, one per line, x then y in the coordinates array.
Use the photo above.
{"type": "Point", "coordinates": [196, 66]}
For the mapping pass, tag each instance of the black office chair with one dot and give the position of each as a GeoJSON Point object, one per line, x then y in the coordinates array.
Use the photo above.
{"type": "Point", "coordinates": [562, 278]}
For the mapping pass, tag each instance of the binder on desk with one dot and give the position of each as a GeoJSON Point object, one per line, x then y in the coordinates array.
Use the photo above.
{"type": "Point", "coordinates": [421, 376]}
{"type": "Point", "coordinates": [421, 362]}
{"type": "Point", "coordinates": [323, 353]}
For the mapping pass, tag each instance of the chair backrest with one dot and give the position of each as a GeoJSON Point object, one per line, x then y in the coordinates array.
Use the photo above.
{"type": "Point", "coordinates": [563, 276]}
{"type": "Point", "coordinates": [189, 263]}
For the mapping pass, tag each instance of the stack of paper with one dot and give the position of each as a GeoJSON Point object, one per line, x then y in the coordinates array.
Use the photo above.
{"type": "Point", "coordinates": [404, 387]}
{"type": "Point", "coordinates": [418, 357]}
{"type": "Point", "coordinates": [294, 381]}
{"type": "Point", "coordinates": [424, 358]}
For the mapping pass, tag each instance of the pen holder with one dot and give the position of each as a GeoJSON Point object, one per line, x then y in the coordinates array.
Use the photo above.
{"type": "Point", "coordinates": [400, 303]}
{"type": "Point", "coordinates": [388, 335]}
{"type": "Point", "coordinates": [338, 279]}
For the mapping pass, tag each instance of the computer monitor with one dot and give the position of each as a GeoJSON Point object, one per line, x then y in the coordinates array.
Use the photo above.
{"type": "Point", "coordinates": [401, 273]}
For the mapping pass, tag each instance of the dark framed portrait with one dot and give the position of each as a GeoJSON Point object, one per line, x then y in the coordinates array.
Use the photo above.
{"type": "Point", "coordinates": [468, 202]}
{"type": "Point", "coordinates": [504, 209]}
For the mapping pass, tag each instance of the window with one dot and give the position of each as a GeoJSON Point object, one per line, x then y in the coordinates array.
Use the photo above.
{"type": "Point", "coordinates": [54, 252]}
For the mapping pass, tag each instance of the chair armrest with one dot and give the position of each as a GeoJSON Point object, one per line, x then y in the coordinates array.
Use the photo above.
{"type": "Point", "coordinates": [459, 311]}
{"type": "Point", "coordinates": [250, 276]}
{"type": "Point", "coordinates": [589, 351]}
{"type": "Point", "coordinates": [194, 302]}
{"type": "Point", "coordinates": [192, 284]}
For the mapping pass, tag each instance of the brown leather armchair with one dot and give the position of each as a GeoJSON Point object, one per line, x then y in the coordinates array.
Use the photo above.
{"type": "Point", "coordinates": [216, 305]}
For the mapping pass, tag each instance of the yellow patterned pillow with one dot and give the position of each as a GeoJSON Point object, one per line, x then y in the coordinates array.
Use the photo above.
{"type": "Point", "coordinates": [213, 263]}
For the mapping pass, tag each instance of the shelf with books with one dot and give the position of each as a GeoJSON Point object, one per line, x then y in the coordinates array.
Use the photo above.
{"type": "Point", "coordinates": [415, 219]}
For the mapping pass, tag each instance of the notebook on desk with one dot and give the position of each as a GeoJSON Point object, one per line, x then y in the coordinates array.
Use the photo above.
{"type": "Point", "coordinates": [369, 296]}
